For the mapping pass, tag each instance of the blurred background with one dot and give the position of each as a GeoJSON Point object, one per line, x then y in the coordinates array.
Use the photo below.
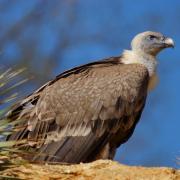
{"type": "Point", "coordinates": [48, 37]}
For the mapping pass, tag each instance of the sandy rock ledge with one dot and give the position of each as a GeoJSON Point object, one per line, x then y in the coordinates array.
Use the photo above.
{"type": "Point", "coordinates": [101, 169]}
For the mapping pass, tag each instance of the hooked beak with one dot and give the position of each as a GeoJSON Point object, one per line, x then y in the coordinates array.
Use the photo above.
{"type": "Point", "coordinates": [169, 42]}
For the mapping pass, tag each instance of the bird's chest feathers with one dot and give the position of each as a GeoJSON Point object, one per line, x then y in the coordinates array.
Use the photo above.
{"type": "Point", "coordinates": [153, 82]}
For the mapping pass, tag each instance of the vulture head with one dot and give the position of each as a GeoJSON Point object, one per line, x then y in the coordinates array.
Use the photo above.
{"type": "Point", "coordinates": [151, 43]}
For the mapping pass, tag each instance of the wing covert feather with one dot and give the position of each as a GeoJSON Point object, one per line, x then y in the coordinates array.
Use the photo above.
{"type": "Point", "coordinates": [90, 103]}
{"type": "Point", "coordinates": [82, 98]}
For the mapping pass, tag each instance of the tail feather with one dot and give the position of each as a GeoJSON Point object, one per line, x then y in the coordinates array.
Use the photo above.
{"type": "Point", "coordinates": [71, 149]}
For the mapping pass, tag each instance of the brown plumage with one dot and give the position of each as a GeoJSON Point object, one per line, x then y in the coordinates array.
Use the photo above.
{"type": "Point", "coordinates": [84, 114]}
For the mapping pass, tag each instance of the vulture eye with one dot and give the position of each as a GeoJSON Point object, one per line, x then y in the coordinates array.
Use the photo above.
{"type": "Point", "coordinates": [151, 37]}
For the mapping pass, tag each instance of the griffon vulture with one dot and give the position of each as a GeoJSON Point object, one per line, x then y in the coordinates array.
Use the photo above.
{"type": "Point", "coordinates": [87, 112]}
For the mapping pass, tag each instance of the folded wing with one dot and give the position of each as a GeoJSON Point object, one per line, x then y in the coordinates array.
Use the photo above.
{"type": "Point", "coordinates": [72, 118]}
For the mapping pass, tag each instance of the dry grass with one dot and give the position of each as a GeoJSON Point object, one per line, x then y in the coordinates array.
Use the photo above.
{"type": "Point", "coordinates": [10, 80]}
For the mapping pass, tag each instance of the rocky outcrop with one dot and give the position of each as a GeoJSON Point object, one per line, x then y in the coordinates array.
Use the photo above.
{"type": "Point", "coordinates": [101, 169]}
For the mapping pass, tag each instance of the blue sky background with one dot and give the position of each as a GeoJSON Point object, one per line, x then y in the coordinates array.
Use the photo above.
{"type": "Point", "coordinates": [61, 34]}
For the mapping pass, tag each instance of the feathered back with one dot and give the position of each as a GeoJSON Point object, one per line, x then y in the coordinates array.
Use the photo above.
{"type": "Point", "coordinates": [73, 117]}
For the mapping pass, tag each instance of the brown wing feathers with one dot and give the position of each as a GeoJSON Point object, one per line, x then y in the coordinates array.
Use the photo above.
{"type": "Point", "coordinates": [73, 117]}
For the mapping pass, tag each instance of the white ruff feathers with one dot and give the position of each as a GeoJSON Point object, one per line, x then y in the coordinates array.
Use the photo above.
{"type": "Point", "coordinates": [131, 57]}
